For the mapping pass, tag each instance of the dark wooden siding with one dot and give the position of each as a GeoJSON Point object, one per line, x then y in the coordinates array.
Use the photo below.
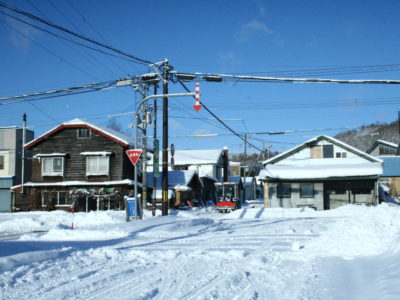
{"type": "Point", "coordinates": [66, 141]}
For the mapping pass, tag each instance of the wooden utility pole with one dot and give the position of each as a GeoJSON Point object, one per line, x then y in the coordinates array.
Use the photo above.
{"type": "Point", "coordinates": [153, 200]}
{"type": "Point", "coordinates": [165, 142]}
{"type": "Point", "coordinates": [144, 154]}
{"type": "Point", "coordinates": [23, 160]}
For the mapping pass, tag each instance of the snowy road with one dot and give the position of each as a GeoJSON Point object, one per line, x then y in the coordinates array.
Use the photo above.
{"type": "Point", "coordinates": [253, 253]}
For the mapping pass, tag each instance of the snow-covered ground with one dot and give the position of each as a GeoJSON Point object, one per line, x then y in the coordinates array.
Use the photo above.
{"type": "Point", "coordinates": [352, 252]}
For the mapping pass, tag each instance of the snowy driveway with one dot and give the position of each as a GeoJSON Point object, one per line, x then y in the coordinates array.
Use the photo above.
{"type": "Point", "coordinates": [252, 253]}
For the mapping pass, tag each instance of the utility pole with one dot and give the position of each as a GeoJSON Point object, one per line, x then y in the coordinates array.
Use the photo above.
{"type": "Point", "coordinates": [153, 200]}
{"type": "Point", "coordinates": [165, 141]}
{"type": "Point", "coordinates": [144, 154]}
{"type": "Point", "coordinates": [398, 147]}
{"type": "Point", "coordinates": [23, 157]}
{"type": "Point", "coordinates": [245, 146]}
{"type": "Point", "coordinates": [136, 166]}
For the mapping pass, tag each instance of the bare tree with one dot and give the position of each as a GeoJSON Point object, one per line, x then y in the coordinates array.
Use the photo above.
{"type": "Point", "coordinates": [114, 125]}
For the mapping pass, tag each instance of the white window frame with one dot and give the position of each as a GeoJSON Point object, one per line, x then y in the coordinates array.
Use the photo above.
{"type": "Point", "coordinates": [302, 184]}
{"type": "Point", "coordinates": [58, 199]}
{"type": "Point", "coordinates": [52, 172]}
{"type": "Point", "coordinates": [341, 154]}
{"type": "Point", "coordinates": [83, 130]}
{"type": "Point", "coordinates": [97, 172]}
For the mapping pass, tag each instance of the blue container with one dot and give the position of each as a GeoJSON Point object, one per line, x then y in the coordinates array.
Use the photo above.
{"type": "Point", "coordinates": [132, 209]}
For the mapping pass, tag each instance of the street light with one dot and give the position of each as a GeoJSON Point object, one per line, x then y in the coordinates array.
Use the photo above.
{"type": "Point", "coordinates": [136, 127]}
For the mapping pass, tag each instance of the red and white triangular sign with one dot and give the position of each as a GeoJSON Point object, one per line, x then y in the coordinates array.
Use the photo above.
{"type": "Point", "coordinates": [197, 104]}
{"type": "Point", "coordinates": [134, 155]}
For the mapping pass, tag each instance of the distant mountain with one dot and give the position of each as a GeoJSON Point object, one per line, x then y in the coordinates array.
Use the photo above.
{"type": "Point", "coordinates": [364, 138]}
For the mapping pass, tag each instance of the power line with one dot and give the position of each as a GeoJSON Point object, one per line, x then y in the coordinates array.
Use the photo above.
{"type": "Point", "coordinates": [190, 112]}
{"type": "Point", "coordinates": [44, 113]}
{"type": "Point", "coordinates": [91, 57]}
{"type": "Point", "coordinates": [46, 49]}
{"type": "Point", "coordinates": [311, 104]}
{"type": "Point", "coordinates": [333, 70]}
{"type": "Point", "coordinates": [218, 119]}
{"type": "Point", "coordinates": [64, 38]}
{"type": "Point", "coordinates": [99, 34]}
{"type": "Point", "coordinates": [56, 93]}
{"type": "Point", "coordinates": [36, 18]}
{"type": "Point", "coordinates": [250, 134]}
{"type": "Point", "coordinates": [249, 78]}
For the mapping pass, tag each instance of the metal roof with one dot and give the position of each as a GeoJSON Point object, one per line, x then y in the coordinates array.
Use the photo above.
{"type": "Point", "coordinates": [391, 166]}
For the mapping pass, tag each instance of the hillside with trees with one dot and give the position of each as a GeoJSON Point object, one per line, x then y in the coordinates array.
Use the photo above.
{"type": "Point", "coordinates": [364, 137]}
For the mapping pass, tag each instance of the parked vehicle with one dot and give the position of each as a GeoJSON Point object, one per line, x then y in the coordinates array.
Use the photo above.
{"type": "Point", "coordinates": [228, 197]}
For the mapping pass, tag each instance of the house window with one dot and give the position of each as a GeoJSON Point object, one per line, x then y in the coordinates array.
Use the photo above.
{"type": "Point", "coordinates": [83, 133]}
{"type": "Point", "coordinates": [306, 190]}
{"type": "Point", "coordinates": [63, 199]}
{"type": "Point", "coordinates": [52, 166]}
{"type": "Point", "coordinates": [284, 190]}
{"type": "Point", "coordinates": [315, 151]}
{"type": "Point", "coordinates": [56, 198]}
{"type": "Point", "coordinates": [182, 168]}
{"type": "Point", "coordinates": [387, 150]}
{"type": "Point", "coordinates": [327, 151]}
{"type": "Point", "coordinates": [97, 165]}
{"type": "Point", "coordinates": [1, 162]}
{"type": "Point", "coordinates": [341, 154]}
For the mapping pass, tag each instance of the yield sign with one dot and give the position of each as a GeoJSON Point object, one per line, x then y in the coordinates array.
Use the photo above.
{"type": "Point", "coordinates": [134, 155]}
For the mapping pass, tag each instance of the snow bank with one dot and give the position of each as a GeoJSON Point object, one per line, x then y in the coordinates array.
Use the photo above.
{"type": "Point", "coordinates": [25, 222]}
{"type": "Point", "coordinates": [369, 231]}
{"type": "Point", "coordinates": [352, 252]}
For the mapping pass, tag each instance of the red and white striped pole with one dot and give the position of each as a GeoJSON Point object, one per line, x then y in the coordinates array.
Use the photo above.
{"type": "Point", "coordinates": [197, 105]}
{"type": "Point", "coordinates": [72, 211]}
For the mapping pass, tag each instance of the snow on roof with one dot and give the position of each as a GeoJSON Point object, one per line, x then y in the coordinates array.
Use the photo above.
{"type": "Point", "coordinates": [322, 137]}
{"type": "Point", "coordinates": [248, 179]}
{"type": "Point", "coordinates": [177, 180]}
{"type": "Point", "coordinates": [194, 157]}
{"type": "Point", "coordinates": [78, 122]}
{"type": "Point", "coordinates": [96, 153]}
{"type": "Point", "coordinates": [50, 154]}
{"type": "Point", "coordinates": [390, 144]}
{"type": "Point", "coordinates": [77, 183]}
{"type": "Point", "coordinates": [312, 170]}
{"type": "Point", "coordinates": [387, 143]}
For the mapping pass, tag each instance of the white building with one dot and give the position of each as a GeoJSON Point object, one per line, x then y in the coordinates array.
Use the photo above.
{"type": "Point", "coordinates": [322, 173]}
{"type": "Point", "coordinates": [11, 163]}
{"type": "Point", "coordinates": [208, 164]}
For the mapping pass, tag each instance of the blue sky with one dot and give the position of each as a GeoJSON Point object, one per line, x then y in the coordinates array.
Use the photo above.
{"type": "Point", "coordinates": [275, 38]}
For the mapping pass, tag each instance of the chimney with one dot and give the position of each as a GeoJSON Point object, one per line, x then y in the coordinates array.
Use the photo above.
{"type": "Point", "coordinates": [225, 163]}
